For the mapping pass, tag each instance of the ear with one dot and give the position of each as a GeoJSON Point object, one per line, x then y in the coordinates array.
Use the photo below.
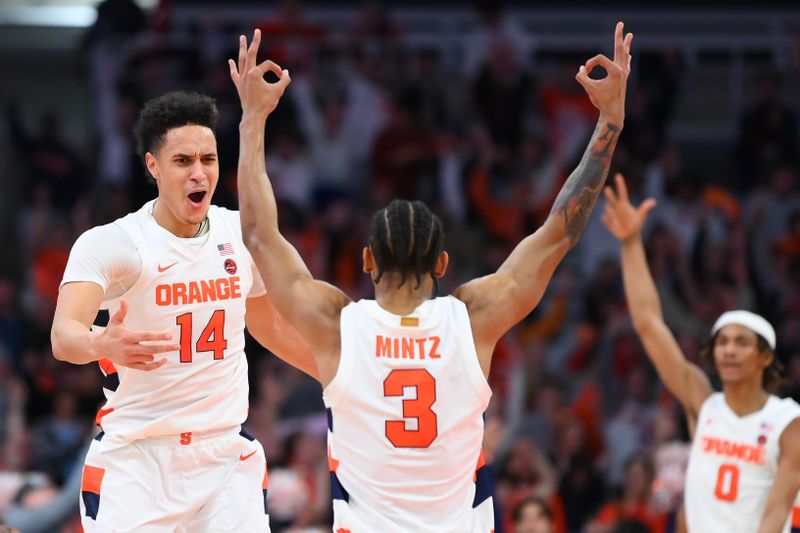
{"type": "Point", "coordinates": [368, 259]}
{"type": "Point", "coordinates": [152, 165]}
{"type": "Point", "coordinates": [441, 264]}
{"type": "Point", "coordinates": [766, 357]}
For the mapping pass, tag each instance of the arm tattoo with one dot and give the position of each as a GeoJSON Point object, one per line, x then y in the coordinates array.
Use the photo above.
{"type": "Point", "coordinates": [577, 197]}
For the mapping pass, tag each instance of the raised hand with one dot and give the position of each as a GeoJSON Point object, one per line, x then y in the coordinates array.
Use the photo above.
{"type": "Point", "coordinates": [257, 96]}
{"type": "Point", "coordinates": [126, 347]}
{"type": "Point", "coordinates": [620, 217]}
{"type": "Point", "coordinates": [608, 94]}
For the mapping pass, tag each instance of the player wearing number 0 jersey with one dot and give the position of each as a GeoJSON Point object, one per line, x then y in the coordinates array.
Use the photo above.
{"type": "Point", "coordinates": [180, 286]}
{"type": "Point", "coordinates": [744, 465]}
{"type": "Point", "coordinates": [733, 464]}
{"type": "Point", "coordinates": [404, 375]}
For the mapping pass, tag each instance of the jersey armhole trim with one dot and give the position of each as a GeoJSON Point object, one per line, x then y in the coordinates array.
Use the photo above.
{"type": "Point", "coordinates": [334, 391]}
{"type": "Point", "coordinates": [473, 366]}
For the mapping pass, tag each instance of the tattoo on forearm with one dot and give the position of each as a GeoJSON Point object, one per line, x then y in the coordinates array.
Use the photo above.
{"type": "Point", "coordinates": [580, 192]}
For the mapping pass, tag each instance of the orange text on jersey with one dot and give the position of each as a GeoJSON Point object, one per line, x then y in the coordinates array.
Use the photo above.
{"type": "Point", "coordinates": [727, 448]}
{"type": "Point", "coordinates": [194, 292]}
{"type": "Point", "coordinates": [407, 347]}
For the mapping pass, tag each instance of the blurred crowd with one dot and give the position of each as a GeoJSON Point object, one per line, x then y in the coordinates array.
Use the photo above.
{"type": "Point", "coordinates": [581, 435]}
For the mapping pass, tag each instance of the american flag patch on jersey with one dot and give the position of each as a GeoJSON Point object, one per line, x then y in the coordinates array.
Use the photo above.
{"type": "Point", "coordinates": [225, 248]}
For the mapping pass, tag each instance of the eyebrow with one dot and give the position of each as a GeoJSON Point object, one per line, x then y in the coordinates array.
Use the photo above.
{"type": "Point", "coordinates": [189, 156]}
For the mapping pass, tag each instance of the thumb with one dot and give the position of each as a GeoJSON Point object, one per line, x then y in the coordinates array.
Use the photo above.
{"type": "Point", "coordinates": [119, 316]}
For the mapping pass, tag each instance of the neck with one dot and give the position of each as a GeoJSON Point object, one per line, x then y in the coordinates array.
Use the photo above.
{"type": "Point", "coordinates": [402, 300]}
{"type": "Point", "coordinates": [745, 397]}
{"type": "Point", "coordinates": [167, 220]}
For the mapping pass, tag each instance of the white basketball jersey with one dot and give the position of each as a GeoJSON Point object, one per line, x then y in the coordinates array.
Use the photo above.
{"type": "Point", "coordinates": [733, 464]}
{"type": "Point", "coordinates": [406, 422]}
{"type": "Point", "coordinates": [198, 294]}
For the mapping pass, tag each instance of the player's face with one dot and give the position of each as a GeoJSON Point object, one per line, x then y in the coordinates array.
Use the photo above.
{"type": "Point", "coordinates": [533, 520]}
{"type": "Point", "coordinates": [736, 354]}
{"type": "Point", "coordinates": [186, 170]}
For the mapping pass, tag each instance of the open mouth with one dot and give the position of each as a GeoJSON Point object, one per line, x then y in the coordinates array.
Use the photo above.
{"type": "Point", "coordinates": [197, 196]}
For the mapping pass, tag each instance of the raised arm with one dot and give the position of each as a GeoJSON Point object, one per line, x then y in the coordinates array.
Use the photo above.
{"type": "Point", "coordinates": [311, 306]}
{"type": "Point", "coordinates": [498, 301]}
{"type": "Point", "coordinates": [786, 487]}
{"type": "Point", "coordinates": [685, 380]}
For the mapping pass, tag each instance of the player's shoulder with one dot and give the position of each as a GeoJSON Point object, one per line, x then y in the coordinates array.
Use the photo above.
{"type": "Point", "coordinates": [787, 405]}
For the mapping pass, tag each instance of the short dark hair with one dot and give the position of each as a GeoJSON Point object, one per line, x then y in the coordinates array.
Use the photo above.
{"type": "Point", "coordinates": [407, 238]}
{"type": "Point", "coordinates": [172, 110]}
{"type": "Point", "coordinates": [772, 374]}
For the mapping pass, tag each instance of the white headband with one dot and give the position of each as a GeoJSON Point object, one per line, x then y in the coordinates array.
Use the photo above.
{"type": "Point", "coordinates": [752, 321]}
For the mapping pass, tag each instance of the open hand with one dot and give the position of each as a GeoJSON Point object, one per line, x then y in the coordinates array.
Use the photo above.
{"type": "Point", "coordinates": [608, 94]}
{"type": "Point", "coordinates": [125, 347]}
{"type": "Point", "coordinates": [257, 96]}
{"type": "Point", "coordinates": [620, 217]}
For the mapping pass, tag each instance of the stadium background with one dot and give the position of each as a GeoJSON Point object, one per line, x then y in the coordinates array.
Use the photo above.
{"type": "Point", "coordinates": [472, 108]}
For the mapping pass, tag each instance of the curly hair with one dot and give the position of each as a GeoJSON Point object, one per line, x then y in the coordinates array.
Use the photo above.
{"type": "Point", "coordinates": [772, 374]}
{"type": "Point", "coordinates": [407, 238]}
{"type": "Point", "coordinates": [169, 111]}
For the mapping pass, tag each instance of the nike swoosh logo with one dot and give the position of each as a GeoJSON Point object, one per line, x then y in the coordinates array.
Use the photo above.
{"type": "Point", "coordinates": [246, 457]}
{"type": "Point", "coordinates": [164, 269]}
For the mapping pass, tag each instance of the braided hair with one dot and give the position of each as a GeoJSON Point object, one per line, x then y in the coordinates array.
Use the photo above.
{"type": "Point", "coordinates": [407, 238]}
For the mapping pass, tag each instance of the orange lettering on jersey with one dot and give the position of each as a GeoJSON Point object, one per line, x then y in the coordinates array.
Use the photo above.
{"type": "Point", "coordinates": [179, 294]}
{"type": "Point", "coordinates": [421, 348]}
{"type": "Point", "coordinates": [193, 292]}
{"type": "Point", "coordinates": [209, 290]}
{"type": "Point", "coordinates": [434, 354]}
{"type": "Point", "coordinates": [726, 448]}
{"type": "Point", "coordinates": [408, 348]}
{"type": "Point", "coordinates": [163, 295]}
{"type": "Point", "coordinates": [383, 346]}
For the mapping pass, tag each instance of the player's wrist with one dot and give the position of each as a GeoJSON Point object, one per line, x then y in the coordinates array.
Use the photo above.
{"type": "Point", "coordinates": [616, 118]}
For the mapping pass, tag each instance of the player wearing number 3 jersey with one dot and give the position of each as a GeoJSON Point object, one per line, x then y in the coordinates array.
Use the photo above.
{"type": "Point", "coordinates": [404, 375]}
{"type": "Point", "coordinates": [180, 287]}
{"type": "Point", "coordinates": [744, 466]}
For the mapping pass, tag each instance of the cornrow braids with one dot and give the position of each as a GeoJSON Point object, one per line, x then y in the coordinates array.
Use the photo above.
{"type": "Point", "coordinates": [406, 237]}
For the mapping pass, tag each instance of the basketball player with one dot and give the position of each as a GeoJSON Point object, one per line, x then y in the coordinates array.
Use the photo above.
{"type": "Point", "coordinates": [744, 464]}
{"type": "Point", "coordinates": [404, 375]}
{"type": "Point", "coordinates": [180, 287]}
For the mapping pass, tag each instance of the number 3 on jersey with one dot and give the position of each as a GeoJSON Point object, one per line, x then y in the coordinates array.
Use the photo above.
{"type": "Point", "coordinates": [418, 408]}
{"type": "Point", "coordinates": [727, 487]}
{"type": "Point", "coordinates": [212, 339]}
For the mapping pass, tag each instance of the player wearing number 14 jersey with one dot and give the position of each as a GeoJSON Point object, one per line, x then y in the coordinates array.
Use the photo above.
{"type": "Point", "coordinates": [404, 375]}
{"type": "Point", "coordinates": [744, 465]}
{"type": "Point", "coordinates": [180, 287]}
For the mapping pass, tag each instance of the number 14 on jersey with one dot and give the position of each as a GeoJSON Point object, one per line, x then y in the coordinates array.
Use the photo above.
{"type": "Point", "coordinates": [211, 339]}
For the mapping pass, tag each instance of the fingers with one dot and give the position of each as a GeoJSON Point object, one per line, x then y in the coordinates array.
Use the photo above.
{"type": "Point", "coordinates": [242, 54]}
{"type": "Point", "coordinates": [269, 66]}
{"type": "Point", "coordinates": [151, 336]}
{"type": "Point", "coordinates": [152, 349]}
{"type": "Point", "coordinates": [252, 50]}
{"type": "Point", "coordinates": [619, 42]}
{"type": "Point", "coordinates": [622, 189]}
{"type": "Point", "coordinates": [147, 367]}
{"type": "Point", "coordinates": [611, 198]}
{"type": "Point", "coordinates": [234, 71]}
{"type": "Point", "coordinates": [602, 61]}
{"type": "Point", "coordinates": [646, 207]}
{"type": "Point", "coordinates": [119, 316]}
{"type": "Point", "coordinates": [583, 78]}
